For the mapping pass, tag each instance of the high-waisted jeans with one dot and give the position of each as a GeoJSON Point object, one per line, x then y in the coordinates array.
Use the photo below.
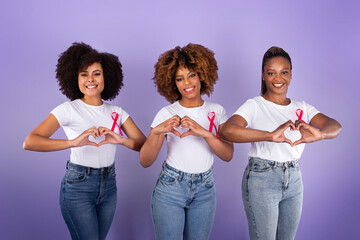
{"type": "Point", "coordinates": [183, 205]}
{"type": "Point", "coordinates": [272, 195]}
{"type": "Point", "coordinates": [88, 200]}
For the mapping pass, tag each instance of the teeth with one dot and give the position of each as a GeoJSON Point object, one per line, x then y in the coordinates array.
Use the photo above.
{"type": "Point", "coordinates": [189, 89]}
{"type": "Point", "coordinates": [278, 84]}
{"type": "Point", "coordinates": [94, 86]}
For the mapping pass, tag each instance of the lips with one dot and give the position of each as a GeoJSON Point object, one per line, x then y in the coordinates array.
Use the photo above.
{"type": "Point", "coordinates": [278, 85]}
{"type": "Point", "coordinates": [91, 86]}
{"type": "Point", "coordinates": [189, 90]}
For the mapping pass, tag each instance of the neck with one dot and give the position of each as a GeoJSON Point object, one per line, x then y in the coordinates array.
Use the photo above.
{"type": "Point", "coordinates": [277, 99]}
{"type": "Point", "coordinates": [191, 103]}
{"type": "Point", "coordinates": [94, 101]}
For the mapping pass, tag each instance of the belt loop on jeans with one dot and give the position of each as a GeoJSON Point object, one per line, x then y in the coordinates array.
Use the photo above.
{"type": "Point", "coordinates": [181, 175]}
{"type": "Point", "coordinates": [67, 164]}
{"type": "Point", "coordinates": [202, 177]}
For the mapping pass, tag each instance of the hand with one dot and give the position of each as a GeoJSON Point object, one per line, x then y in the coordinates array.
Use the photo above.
{"type": "Point", "coordinates": [308, 133]}
{"type": "Point", "coordinates": [194, 128]}
{"type": "Point", "coordinates": [110, 137]}
{"type": "Point", "coordinates": [168, 126]}
{"type": "Point", "coordinates": [278, 134]}
{"type": "Point", "coordinates": [83, 139]}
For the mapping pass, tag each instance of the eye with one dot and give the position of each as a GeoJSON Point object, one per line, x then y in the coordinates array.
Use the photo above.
{"type": "Point", "coordinates": [83, 74]}
{"type": "Point", "coordinates": [270, 73]}
{"type": "Point", "coordinates": [178, 79]}
{"type": "Point", "coordinates": [285, 72]}
{"type": "Point", "coordinates": [97, 74]}
{"type": "Point", "coordinates": [192, 75]}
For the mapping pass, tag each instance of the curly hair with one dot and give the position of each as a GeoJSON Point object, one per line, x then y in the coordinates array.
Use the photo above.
{"type": "Point", "coordinates": [78, 57]}
{"type": "Point", "coordinates": [272, 53]}
{"type": "Point", "coordinates": [194, 57]}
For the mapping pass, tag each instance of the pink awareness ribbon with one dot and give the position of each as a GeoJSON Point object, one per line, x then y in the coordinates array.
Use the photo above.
{"type": "Point", "coordinates": [115, 117]}
{"type": "Point", "coordinates": [211, 117]}
{"type": "Point", "coordinates": [299, 114]}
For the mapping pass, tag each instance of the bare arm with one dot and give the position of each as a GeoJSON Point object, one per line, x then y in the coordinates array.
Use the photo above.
{"type": "Point", "coordinates": [320, 127]}
{"type": "Point", "coordinates": [135, 138]}
{"type": "Point", "coordinates": [39, 139]}
{"type": "Point", "coordinates": [152, 145]}
{"type": "Point", "coordinates": [234, 130]}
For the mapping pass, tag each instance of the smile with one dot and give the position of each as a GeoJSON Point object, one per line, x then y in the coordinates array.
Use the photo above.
{"type": "Point", "coordinates": [91, 86]}
{"type": "Point", "coordinates": [189, 90]}
{"type": "Point", "coordinates": [278, 85]}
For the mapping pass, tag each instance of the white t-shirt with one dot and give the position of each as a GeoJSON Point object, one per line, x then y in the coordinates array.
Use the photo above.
{"type": "Point", "coordinates": [76, 116]}
{"type": "Point", "coordinates": [191, 154]}
{"type": "Point", "coordinates": [264, 115]}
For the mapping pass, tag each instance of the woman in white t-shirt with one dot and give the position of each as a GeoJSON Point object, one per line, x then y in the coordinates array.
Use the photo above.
{"type": "Point", "coordinates": [278, 129]}
{"type": "Point", "coordinates": [183, 201]}
{"type": "Point", "coordinates": [93, 128]}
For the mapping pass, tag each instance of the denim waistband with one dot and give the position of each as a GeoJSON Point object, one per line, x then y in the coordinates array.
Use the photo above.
{"type": "Point", "coordinates": [182, 175]}
{"type": "Point", "coordinates": [88, 170]}
{"type": "Point", "coordinates": [287, 164]}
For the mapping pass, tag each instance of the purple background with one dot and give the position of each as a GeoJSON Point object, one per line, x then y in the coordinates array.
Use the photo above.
{"type": "Point", "coordinates": [322, 38]}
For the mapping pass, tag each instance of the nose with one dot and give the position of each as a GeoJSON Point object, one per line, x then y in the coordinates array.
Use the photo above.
{"type": "Point", "coordinates": [90, 78]}
{"type": "Point", "coordinates": [186, 80]}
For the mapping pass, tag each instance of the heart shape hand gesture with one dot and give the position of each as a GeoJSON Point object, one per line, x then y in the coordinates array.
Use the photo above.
{"type": "Point", "coordinates": [97, 137]}
{"type": "Point", "coordinates": [296, 133]}
{"type": "Point", "coordinates": [181, 127]}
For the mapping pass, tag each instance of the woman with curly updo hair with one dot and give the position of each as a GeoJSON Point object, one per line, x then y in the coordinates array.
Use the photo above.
{"type": "Point", "coordinates": [94, 128]}
{"type": "Point", "coordinates": [277, 128]}
{"type": "Point", "coordinates": [183, 201]}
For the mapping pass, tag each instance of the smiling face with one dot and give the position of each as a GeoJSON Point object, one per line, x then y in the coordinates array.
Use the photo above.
{"type": "Point", "coordinates": [91, 81]}
{"type": "Point", "coordinates": [277, 76]}
{"type": "Point", "coordinates": [188, 84]}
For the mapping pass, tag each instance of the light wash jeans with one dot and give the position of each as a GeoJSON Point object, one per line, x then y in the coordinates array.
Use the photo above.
{"type": "Point", "coordinates": [88, 201]}
{"type": "Point", "coordinates": [272, 194]}
{"type": "Point", "coordinates": [183, 205]}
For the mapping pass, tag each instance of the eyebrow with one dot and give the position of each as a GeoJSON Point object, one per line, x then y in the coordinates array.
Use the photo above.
{"type": "Point", "coordinates": [98, 70]}
{"type": "Point", "coordinates": [182, 75]}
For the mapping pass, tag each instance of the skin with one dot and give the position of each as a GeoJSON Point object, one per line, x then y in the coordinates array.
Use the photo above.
{"type": "Point", "coordinates": [188, 84]}
{"type": "Point", "coordinates": [91, 84]}
{"type": "Point", "coordinates": [277, 76]}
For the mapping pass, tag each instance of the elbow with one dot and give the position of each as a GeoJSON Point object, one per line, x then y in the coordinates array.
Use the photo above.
{"type": "Point", "coordinates": [144, 163]}
{"type": "Point", "coordinates": [27, 144]}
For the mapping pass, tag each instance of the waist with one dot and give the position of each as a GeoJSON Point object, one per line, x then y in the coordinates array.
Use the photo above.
{"type": "Point", "coordinates": [288, 164]}
{"type": "Point", "coordinates": [90, 170]}
{"type": "Point", "coordinates": [180, 175]}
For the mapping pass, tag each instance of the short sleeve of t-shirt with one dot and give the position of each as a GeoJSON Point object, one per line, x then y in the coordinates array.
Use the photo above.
{"type": "Point", "coordinates": [310, 110]}
{"type": "Point", "coordinates": [160, 117]}
{"type": "Point", "coordinates": [247, 111]}
{"type": "Point", "coordinates": [63, 113]}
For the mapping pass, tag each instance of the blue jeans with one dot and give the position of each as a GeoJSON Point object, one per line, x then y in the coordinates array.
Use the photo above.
{"type": "Point", "coordinates": [183, 205]}
{"type": "Point", "coordinates": [88, 200]}
{"type": "Point", "coordinates": [272, 194]}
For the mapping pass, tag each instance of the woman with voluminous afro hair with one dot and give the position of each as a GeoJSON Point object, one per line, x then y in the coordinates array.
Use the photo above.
{"type": "Point", "coordinates": [183, 202]}
{"type": "Point", "coordinates": [78, 57]}
{"type": "Point", "coordinates": [93, 128]}
{"type": "Point", "coordinates": [193, 56]}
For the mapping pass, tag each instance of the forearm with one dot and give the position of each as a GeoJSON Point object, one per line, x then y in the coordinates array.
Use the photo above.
{"type": "Point", "coordinates": [43, 144]}
{"type": "Point", "coordinates": [150, 149]}
{"type": "Point", "coordinates": [134, 144]}
{"type": "Point", "coordinates": [331, 129]}
{"type": "Point", "coordinates": [223, 149]}
{"type": "Point", "coordinates": [238, 134]}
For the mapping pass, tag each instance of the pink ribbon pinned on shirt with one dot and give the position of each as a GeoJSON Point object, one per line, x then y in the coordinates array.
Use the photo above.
{"type": "Point", "coordinates": [115, 117]}
{"type": "Point", "coordinates": [211, 117]}
{"type": "Point", "coordinates": [299, 114]}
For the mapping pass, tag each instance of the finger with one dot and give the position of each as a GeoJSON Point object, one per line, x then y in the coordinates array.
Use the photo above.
{"type": "Point", "coordinates": [300, 125]}
{"type": "Point", "coordinates": [176, 132]}
{"type": "Point", "coordinates": [187, 133]}
{"type": "Point", "coordinates": [288, 141]}
{"type": "Point", "coordinates": [91, 143]}
{"type": "Point", "coordinates": [298, 142]}
{"type": "Point", "coordinates": [102, 143]}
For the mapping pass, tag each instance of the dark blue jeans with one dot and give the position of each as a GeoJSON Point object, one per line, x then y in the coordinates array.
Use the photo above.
{"type": "Point", "coordinates": [88, 200]}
